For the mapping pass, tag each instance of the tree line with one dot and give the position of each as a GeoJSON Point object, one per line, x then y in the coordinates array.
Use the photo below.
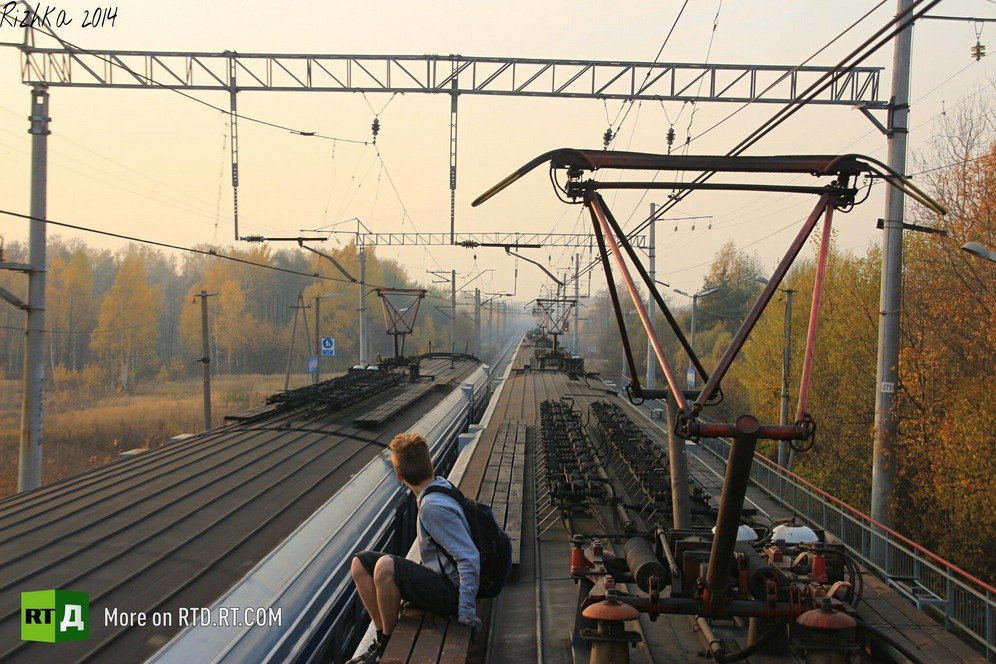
{"type": "Point", "coordinates": [115, 319]}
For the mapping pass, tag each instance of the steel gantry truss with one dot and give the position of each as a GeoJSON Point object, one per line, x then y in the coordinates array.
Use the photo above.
{"type": "Point", "coordinates": [444, 74]}
{"type": "Point", "coordinates": [231, 72]}
{"type": "Point", "coordinates": [483, 239]}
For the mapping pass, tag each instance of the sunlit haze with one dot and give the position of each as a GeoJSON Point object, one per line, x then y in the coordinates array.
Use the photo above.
{"type": "Point", "coordinates": [155, 165]}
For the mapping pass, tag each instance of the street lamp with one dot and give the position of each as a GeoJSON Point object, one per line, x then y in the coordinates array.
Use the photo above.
{"type": "Point", "coordinates": [783, 445]}
{"type": "Point", "coordinates": [980, 250]}
{"type": "Point", "coordinates": [695, 307]}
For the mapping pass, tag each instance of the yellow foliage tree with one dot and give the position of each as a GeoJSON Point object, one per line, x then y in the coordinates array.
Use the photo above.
{"type": "Point", "coordinates": [948, 383]}
{"type": "Point", "coordinates": [125, 340]}
{"type": "Point", "coordinates": [70, 310]}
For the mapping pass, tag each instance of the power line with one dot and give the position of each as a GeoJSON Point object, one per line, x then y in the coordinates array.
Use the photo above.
{"type": "Point", "coordinates": [91, 332]}
{"type": "Point", "coordinates": [858, 55]}
{"type": "Point", "coordinates": [802, 64]}
{"type": "Point", "coordinates": [721, 223]}
{"type": "Point", "coordinates": [897, 23]}
{"type": "Point", "coordinates": [205, 252]}
{"type": "Point", "coordinates": [209, 211]}
{"type": "Point", "coordinates": [142, 77]}
{"type": "Point", "coordinates": [647, 77]}
{"type": "Point", "coordinates": [165, 245]}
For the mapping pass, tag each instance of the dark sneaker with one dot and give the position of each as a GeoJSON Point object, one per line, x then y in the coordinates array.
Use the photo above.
{"type": "Point", "coordinates": [371, 655]}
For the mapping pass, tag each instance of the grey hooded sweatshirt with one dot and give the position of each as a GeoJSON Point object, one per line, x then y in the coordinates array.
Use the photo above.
{"type": "Point", "coordinates": [442, 518]}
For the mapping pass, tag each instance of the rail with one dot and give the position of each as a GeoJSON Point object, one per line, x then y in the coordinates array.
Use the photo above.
{"type": "Point", "coordinates": [966, 604]}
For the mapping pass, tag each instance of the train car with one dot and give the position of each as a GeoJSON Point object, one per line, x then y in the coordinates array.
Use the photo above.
{"type": "Point", "coordinates": [247, 526]}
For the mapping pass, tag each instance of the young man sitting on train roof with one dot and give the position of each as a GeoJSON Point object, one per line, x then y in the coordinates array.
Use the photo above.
{"type": "Point", "coordinates": [384, 580]}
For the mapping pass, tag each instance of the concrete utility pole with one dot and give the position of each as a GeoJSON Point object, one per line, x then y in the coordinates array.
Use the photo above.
{"type": "Point", "coordinates": [692, 375]}
{"type": "Point", "coordinates": [491, 321]}
{"type": "Point", "coordinates": [577, 304]}
{"type": "Point", "coordinates": [890, 302]}
{"type": "Point", "coordinates": [297, 307]}
{"type": "Point", "coordinates": [452, 311]}
{"type": "Point", "coordinates": [651, 302]}
{"type": "Point", "coordinates": [477, 323]}
{"type": "Point", "coordinates": [364, 351]}
{"type": "Point", "coordinates": [29, 476]}
{"type": "Point", "coordinates": [681, 505]}
{"type": "Point", "coordinates": [205, 360]}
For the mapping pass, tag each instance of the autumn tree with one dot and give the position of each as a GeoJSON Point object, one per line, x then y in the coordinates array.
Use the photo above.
{"type": "Point", "coordinates": [125, 340]}
{"type": "Point", "coordinates": [843, 368]}
{"type": "Point", "coordinates": [734, 276]}
{"type": "Point", "coordinates": [947, 397]}
{"type": "Point", "coordinates": [70, 309]}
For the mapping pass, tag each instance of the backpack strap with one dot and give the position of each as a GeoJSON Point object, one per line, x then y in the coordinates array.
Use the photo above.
{"type": "Point", "coordinates": [457, 496]}
{"type": "Point", "coordinates": [450, 491]}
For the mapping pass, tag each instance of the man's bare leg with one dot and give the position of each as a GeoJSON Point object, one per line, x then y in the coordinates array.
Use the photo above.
{"type": "Point", "coordinates": [388, 594]}
{"type": "Point", "coordinates": [368, 591]}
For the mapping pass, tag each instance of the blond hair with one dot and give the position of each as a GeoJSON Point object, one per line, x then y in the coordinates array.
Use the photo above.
{"type": "Point", "coordinates": [411, 459]}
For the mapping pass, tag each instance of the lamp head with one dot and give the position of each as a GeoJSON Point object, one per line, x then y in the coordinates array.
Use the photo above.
{"type": "Point", "coordinates": [977, 249]}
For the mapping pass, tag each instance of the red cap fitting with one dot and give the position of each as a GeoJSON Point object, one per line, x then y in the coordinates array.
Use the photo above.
{"type": "Point", "coordinates": [611, 612]}
{"type": "Point", "coordinates": [826, 618]}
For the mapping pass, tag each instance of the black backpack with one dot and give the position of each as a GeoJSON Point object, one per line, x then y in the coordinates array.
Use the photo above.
{"type": "Point", "coordinates": [492, 543]}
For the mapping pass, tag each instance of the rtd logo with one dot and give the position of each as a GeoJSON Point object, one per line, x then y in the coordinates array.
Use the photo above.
{"type": "Point", "coordinates": [54, 616]}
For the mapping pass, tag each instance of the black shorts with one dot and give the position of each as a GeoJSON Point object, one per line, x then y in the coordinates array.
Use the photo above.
{"type": "Point", "coordinates": [420, 586]}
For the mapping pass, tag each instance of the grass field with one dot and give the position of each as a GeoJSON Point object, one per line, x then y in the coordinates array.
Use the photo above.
{"type": "Point", "coordinates": [79, 434]}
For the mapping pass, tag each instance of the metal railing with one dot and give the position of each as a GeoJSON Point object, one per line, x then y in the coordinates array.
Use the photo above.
{"type": "Point", "coordinates": [966, 604]}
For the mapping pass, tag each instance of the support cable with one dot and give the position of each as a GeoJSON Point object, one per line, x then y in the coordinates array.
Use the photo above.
{"type": "Point", "coordinates": [165, 245]}
{"type": "Point", "coordinates": [861, 53]}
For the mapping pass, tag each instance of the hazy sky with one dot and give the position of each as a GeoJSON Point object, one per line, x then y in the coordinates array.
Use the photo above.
{"type": "Point", "coordinates": [155, 165]}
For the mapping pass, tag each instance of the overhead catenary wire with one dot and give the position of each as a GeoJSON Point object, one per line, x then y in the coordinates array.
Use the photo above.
{"type": "Point", "coordinates": [695, 108]}
{"type": "Point", "coordinates": [881, 37]}
{"type": "Point", "coordinates": [208, 204]}
{"type": "Point", "coordinates": [394, 187]}
{"type": "Point", "coordinates": [720, 223]}
{"type": "Point", "coordinates": [785, 75]}
{"type": "Point", "coordinates": [310, 134]}
{"type": "Point", "coordinates": [628, 104]}
{"type": "Point", "coordinates": [221, 182]}
{"type": "Point", "coordinates": [88, 332]}
{"type": "Point", "coordinates": [871, 45]}
{"type": "Point", "coordinates": [204, 252]}
{"type": "Point", "coordinates": [158, 197]}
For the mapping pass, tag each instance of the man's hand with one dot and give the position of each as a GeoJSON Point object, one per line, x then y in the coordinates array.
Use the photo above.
{"type": "Point", "coordinates": [473, 622]}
